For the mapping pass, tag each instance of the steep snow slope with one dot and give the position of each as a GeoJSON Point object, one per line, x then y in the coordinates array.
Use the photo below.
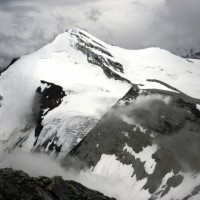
{"type": "Point", "coordinates": [90, 89]}
{"type": "Point", "coordinates": [165, 68]}
{"type": "Point", "coordinates": [71, 96]}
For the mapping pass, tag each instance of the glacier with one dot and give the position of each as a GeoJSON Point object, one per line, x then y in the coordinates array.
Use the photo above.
{"type": "Point", "coordinates": [132, 116]}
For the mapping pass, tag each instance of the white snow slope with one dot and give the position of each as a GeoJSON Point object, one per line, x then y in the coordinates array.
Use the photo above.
{"type": "Point", "coordinates": [89, 94]}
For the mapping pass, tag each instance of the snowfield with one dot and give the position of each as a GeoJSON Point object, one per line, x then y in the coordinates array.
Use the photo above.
{"type": "Point", "coordinates": [91, 75]}
{"type": "Point", "coordinates": [159, 64]}
{"type": "Point", "coordinates": [89, 93]}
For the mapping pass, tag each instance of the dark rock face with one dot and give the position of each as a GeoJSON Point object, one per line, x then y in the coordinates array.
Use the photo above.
{"type": "Point", "coordinates": [46, 100]}
{"type": "Point", "coordinates": [172, 126]}
{"type": "Point", "coordinates": [48, 96]}
{"type": "Point", "coordinates": [17, 185]}
{"type": "Point", "coordinates": [107, 64]}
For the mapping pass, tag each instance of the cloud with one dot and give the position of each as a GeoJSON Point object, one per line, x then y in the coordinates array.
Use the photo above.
{"type": "Point", "coordinates": [133, 24]}
{"type": "Point", "coordinates": [177, 126]}
{"type": "Point", "coordinates": [145, 110]}
{"type": "Point", "coordinates": [93, 15]}
{"type": "Point", "coordinates": [42, 165]}
{"type": "Point", "coordinates": [177, 26]}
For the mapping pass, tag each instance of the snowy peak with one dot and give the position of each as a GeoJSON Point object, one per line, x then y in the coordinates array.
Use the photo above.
{"type": "Point", "coordinates": [97, 54]}
{"type": "Point", "coordinates": [127, 114]}
{"type": "Point", "coordinates": [93, 76]}
{"type": "Point", "coordinates": [170, 71]}
{"type": "Point", "coordinates": [70, 83]}
{"type": "Point", "coordinates": [89, 41]}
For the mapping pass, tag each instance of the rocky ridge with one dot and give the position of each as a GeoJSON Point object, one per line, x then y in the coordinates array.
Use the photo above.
{"type": "Point", "coordinates": [17, 185]}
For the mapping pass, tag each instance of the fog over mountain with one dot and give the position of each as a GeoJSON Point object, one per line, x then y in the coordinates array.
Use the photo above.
{"type": "Point", "coordinates": [124, 123]}
{"type": "Point", "coordinates": [99, 100]}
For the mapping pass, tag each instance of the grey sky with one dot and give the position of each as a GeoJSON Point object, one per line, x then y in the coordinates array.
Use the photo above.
{"type": "Point", "coordinates": [27, 25]}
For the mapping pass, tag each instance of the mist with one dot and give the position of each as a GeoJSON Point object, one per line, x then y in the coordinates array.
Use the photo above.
{"type": "Point", "coordinates": [42, 165]}
{"type": "Point", "coordinates": [177, 126]}
{"type": "Point", "coordinates": [145, 110]}
{"type": "Point", "coordinates": [152, 111]}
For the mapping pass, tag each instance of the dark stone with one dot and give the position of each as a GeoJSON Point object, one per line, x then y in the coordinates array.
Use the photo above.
{"type": "Point", "coordinates": [50, 98]}
{"type": "Point", "coordinates": [97, 59]}
{"type": "Point", "coordinates": [17, 185]}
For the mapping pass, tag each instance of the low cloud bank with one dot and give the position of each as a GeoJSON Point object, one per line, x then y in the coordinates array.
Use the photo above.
{"type": "Point", "coordinates": [42, 165]}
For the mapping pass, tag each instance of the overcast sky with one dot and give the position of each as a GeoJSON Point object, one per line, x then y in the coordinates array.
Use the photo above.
{"type": "Point", "coordinates": [26, 25]}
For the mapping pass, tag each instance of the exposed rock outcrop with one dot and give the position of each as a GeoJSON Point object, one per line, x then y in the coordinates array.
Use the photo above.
{"type": "Point", "coordinates": [17, 185]}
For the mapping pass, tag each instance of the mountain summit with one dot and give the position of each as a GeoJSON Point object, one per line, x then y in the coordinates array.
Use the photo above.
{"type": "Point", "coordinates": [132, 116]}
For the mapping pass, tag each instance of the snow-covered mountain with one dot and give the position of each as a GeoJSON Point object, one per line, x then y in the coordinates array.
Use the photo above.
{"type": "Point", "coordinates": [89, 81]}
{"type": "Point", "coordinates": [131, 115]}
